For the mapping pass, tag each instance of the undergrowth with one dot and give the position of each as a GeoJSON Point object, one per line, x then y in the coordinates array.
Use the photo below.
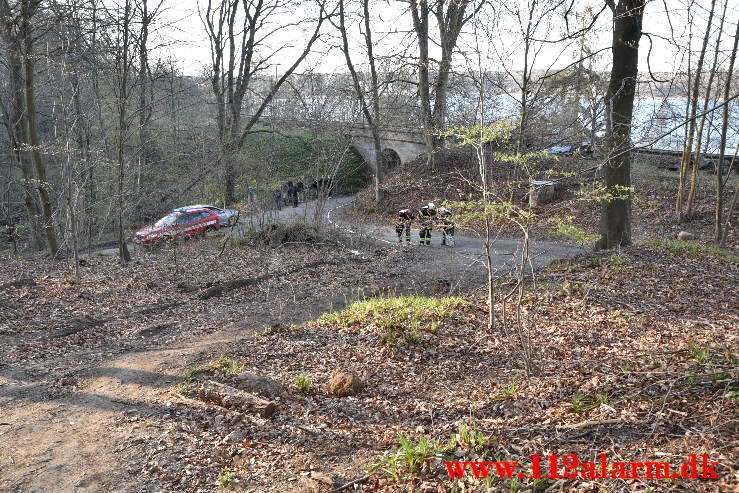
{"type": "Point", "coordinates": [396, 319]}
{"type": "Point", "coordinates": [694, 250]}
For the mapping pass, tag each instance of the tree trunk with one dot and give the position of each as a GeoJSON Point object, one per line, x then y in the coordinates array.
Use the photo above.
{"type": "Point", "coordinates": [123, 63]}
{"type": "Point", "coordinates": [525, 82]}
{"type": "Point", "coordinates": [697, 156]}
{"type": "Point", "coordinates": [730, 213]}
{"type": "Point", "coordinates": [231, 398]}
{"type": "Point", "coordinates": [82, 138]}
{"type": "Point", "coordinates": [420, 13]}
{"type": "Point", "coordinates": [717, 227]}
{"type": "Point", "coordinates": [27, 10]}
{"type": "Point", "coordinates": [615, 223]}
{"type": "Point", "coordinates": [688, 148]}
{"type": "Point", "coordinates": [372, 115]}
{"type": "Point", "coordinates": [699, 139]}
{"type": "Point", "coordinates": [144, 108]}
{"type": "Point", "coordinates": [18, 135]}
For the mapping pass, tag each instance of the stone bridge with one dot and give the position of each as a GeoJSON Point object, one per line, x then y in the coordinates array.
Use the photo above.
{"type": "Point", "coordinates": [399, 144]}
{"type": "Point", "coordinates": [402, 144]}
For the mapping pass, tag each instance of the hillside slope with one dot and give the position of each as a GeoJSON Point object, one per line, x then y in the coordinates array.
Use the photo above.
{"type": "Point", "coordinates": [456, 177]}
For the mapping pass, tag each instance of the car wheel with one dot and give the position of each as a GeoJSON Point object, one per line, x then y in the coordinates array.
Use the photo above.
{"type": "Point", "coordinates": [209, 229]}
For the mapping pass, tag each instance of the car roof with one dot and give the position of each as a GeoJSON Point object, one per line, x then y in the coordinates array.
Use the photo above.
{"type": "Point", "coordinates": [190, 210]}
{"type": "Point", "coordinates": [197, 206]}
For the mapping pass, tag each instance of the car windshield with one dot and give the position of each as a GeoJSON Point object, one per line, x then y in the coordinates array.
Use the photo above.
{"type": "Point", "coordinates": [166, 221]}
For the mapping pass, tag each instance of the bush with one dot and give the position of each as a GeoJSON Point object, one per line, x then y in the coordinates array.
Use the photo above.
{"type": "Point", "coordinates": [276, 234]}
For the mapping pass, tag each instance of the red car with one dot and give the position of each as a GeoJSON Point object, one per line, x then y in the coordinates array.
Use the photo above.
{"type": "Point", "coordinates": [194, 222]}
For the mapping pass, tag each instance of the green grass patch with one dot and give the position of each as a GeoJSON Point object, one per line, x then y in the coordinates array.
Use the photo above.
{"type": "Point", "coordinates": [698, 353]}
{"type": "Point", "coordinates": [186, 388]}
{"type": "Point", "coordinates": [509, 391]}
{"type": "Point", "coordinates": [228, 366]}
{"type": "Point", "coordinates": [695, 250]}
{"type": "Point", "coordinates": [227, 478]}
{"type": "Point", "coordinates": [396, 319]}
{"type": "Point", "coordinates": [413, 457]}
{"type": "Point", "coordinates": [583, 404]}
{"type": "Point", "coordinates": [305, 383]}
{"type": "Point", "coordinates": [471, 438]}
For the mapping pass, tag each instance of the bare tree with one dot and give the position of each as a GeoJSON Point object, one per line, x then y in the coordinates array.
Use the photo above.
{"type": "Point", "coordinates": [694, 92]}
{"type": "Point", "coordinates": [240, 33]}
{"type": "Point", "coordinates": [527, 28]}
{"type": "Point", "coordinates": [369, 99]}
{"type": "Point", "coordinates": [144, 82]}
{"type": "Point", "coordinates": [722, 232]}
{"type": "Point", "coordinates": [124, 60]}
{"type": "Point", "coordinates": [615, 222]}
{"type": "Point", "coordinates": [699, 137]}
{"type": "Point", "coordinates": [18, 33]}
{"type": "Point", "coordinates": [14, 118]}
{"type": "Point", "coordinates": [451, 17]}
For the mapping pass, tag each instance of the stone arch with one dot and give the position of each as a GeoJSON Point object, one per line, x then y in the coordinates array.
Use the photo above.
{"type": "Point", "coordinates": [391, 159]}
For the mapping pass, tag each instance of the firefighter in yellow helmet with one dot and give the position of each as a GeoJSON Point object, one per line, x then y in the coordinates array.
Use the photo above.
{"type": "Point", "coordinates": [426, 221]}
{"type": "Point", "coordinates": [446, 224]}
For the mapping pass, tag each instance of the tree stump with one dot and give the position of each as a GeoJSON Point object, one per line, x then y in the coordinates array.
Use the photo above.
{"type": "Point", "coordinates": [540, 192]}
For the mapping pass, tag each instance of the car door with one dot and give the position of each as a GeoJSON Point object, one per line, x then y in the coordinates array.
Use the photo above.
{"type": "Point", "coordinates": [201, 221]}
{"type": "Point", "coordinates": [222, 217]}
{"type": "Point", "coordinates": [211, 219]}
{"type": "Point", "coordinates": [184, 224]}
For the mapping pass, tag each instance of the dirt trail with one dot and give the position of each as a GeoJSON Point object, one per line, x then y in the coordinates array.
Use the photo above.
{"type": "Point", "coordinates": [64, 428]}
{"type": "Point", "coordinates": [63, 433]}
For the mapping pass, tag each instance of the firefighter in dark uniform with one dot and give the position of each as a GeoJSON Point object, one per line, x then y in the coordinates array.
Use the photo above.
{"type": "Point", "coordinates": [403, 223]}
{"type": "Point", "coordinates": [426, 222]}
{"type": "Point", "coordinates": [446, 224]}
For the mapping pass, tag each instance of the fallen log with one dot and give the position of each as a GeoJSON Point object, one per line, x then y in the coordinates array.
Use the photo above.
{"type": "Point", "coordinates": [231, 398]}
{"type": "Point", "coordinates": [222, 288]}
{"type": "Point", "coordinates": [218, 290]}
{"type": "Point", "coordinates": [18, 283]}
{"type": "Point", "coordinates": [156, 308]}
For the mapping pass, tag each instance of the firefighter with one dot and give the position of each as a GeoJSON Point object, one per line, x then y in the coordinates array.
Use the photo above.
{"type": "Point", "coordinates": [426, 221]}
{"type": "Point", "coordinates": [404, 220]}
{"type": "Point", "coordinates": [446, 224]}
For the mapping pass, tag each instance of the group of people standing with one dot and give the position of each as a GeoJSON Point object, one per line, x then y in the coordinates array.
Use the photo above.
{"type": "Point", "coordinates": [428, 219]}
{"type": "Point", "coordinates": [287, 194]}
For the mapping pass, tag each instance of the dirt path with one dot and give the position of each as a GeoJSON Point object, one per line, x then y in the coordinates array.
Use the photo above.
{"type": "Point", "coordinates": [74, 423]}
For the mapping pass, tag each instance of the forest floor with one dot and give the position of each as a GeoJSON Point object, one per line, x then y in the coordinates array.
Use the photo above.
{"type": "Point", "coordinates": [633, 355]}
